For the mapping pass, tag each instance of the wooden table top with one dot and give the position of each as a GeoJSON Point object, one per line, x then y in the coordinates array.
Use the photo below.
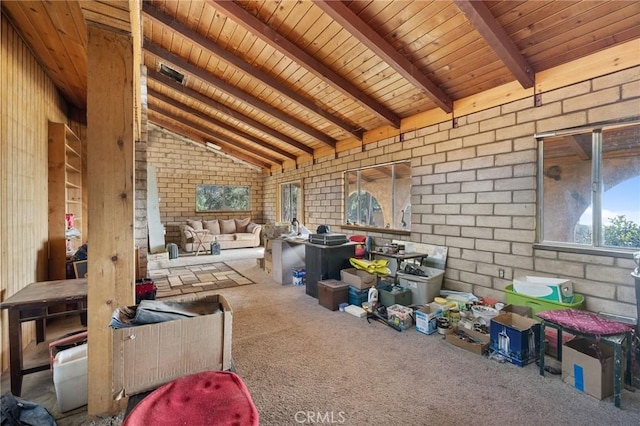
{"type": "Point", "coordinates": [46, 292]}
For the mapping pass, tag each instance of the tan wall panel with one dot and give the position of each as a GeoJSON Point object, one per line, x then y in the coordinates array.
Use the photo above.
{"type": "Point", "coordinates": [29, 101]}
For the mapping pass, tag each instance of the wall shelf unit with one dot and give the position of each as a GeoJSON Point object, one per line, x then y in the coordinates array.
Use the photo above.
{"type": "Point", "coordinates": [65, 197]}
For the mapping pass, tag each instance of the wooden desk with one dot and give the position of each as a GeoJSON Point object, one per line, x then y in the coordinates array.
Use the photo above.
{"type": "Point", "coordinates": [34, 303]}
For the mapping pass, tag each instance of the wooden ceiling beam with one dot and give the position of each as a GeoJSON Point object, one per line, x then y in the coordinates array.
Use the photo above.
{"type": "Point", "coordinates": [199, 97]}
{"type": "Point", "coordinates": [194, 132]}
{"type": "Point", "coordinates": [483, 21]}
{"type": "Point", "coordinates": [175, 61]}
{"type": "Point", "coordinates": [243, 66]}
{"type": "Point", "coordinates": [194, 137]}
{"type": "Point", "coordinates": [217, 123]}
{"type": "Point", "coordinates": [287, 48]}
{"type": "Point", "coordinates": [366, 35]}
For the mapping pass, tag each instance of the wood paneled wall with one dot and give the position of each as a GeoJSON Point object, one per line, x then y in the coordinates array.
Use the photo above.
{"type": "Point", "coordinates": [29, 101]}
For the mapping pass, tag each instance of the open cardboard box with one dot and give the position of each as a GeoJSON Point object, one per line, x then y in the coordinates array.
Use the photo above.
{"type": "Point", "coordinates": [583, 369]}
{"type": "Point", "coordinates": [479, 345]}
{"type": "Point", "coordinates": [147, 356]}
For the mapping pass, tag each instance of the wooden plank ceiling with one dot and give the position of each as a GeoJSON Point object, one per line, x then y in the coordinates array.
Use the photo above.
{"type": "Point", "coordinates": [273, 82]}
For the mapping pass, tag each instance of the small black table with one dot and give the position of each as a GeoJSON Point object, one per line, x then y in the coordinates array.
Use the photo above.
{"type": "Point", "coordinates": [35, 302]}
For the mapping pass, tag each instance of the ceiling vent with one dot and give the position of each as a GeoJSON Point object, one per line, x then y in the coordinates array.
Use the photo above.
{"type": "Point", "coordinates": [171, 73]}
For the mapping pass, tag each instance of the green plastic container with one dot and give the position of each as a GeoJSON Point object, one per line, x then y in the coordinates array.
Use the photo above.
{"type": "Point", "coordinates": [539, 305]}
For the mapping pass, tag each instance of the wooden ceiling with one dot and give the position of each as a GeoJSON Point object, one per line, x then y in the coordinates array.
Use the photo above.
{"type": "Point", "coordinates": [273, 82]}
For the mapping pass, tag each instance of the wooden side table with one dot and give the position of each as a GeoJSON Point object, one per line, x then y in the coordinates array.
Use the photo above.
{"type": "Point", "coordinates": [34, 303]}
{"type": "Point", "coordinates": [198, 240]}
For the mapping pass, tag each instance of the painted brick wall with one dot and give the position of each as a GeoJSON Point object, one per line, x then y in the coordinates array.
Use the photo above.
{"type": "Point", "coordinates": [180, 170]}
{"type": "Point", "coordinates": [474, 190]}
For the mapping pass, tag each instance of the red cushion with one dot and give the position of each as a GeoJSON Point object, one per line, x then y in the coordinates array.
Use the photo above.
{"type": "Point", "coordinates": [206, 398]}
{"type": "Point", "coordinates": [358, 238]}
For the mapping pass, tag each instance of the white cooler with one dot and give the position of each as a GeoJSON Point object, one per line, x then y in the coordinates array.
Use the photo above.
{"type": "Point", "coordinates": [70, 377]}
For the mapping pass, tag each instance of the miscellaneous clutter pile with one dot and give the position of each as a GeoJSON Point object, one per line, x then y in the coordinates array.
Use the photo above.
{"type": "Point", "coordinates": [508, 332]}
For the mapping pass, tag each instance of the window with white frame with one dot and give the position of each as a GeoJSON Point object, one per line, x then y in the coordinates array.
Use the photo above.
{"type": "Point", "coordinates": [290, 201]}
{"type": "Point", "coordinates": [589, 187]}
{"type": "Point", "coordinates": [379, 196]}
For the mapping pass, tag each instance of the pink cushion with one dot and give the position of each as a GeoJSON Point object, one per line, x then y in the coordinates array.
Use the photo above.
{"type": "Point", "coordinates": [206, 398]}
{"type": "Point", "coordinates": [584, 322]}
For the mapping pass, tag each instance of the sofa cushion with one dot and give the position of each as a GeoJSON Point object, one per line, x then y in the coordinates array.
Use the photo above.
{"type": "Point", "coordinates": [213, 226]}
{"type": "Point", "coordinates": [243, 236]}
{"type": "Point", "coordinates": [251, 226]}
{"type": "Point", "coordinates": [227, 226]}
{"type": "Point", "coordinates": [226, 237]}
{"type": "Point", "coordinates": [241, 224]}
{"type": "Point", "coordinates": [195, 224]}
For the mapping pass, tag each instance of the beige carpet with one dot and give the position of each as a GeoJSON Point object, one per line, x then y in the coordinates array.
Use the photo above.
{"type": "Point", "coordinates": [304, 364]}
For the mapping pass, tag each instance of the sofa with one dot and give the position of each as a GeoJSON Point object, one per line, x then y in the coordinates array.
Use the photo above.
{"type": "Point", "coordinates": [230, 233]}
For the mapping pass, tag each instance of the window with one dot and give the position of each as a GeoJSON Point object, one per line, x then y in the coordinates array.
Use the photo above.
{"type": "Point", "coordinates": [223, 198]}
{"type": "Point", "coordinates": [290, 201]}
{"type": "Point", "coordinates": [379, 196]}
{"type": "Point", "coordinates": [589, 183]}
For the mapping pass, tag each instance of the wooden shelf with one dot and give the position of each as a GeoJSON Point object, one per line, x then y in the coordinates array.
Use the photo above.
{"type": "Point", "coordinates": [65, 195]}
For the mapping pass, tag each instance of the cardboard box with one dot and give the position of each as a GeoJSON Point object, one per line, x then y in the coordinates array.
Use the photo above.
{"type": "Point", "coordinates": [147, 356]}
{"type": "Point", "coordinates": [515, 337]}
{"type": "Point", "coordinates": [426, 318]}
{"type": "Point", "coordinates": [583, 369]}
{"type": "Point", "coordinates": [470, 340]}
{"type": "Point", "coordinates": [524, 311]}
{"type": "Point", "coordinates": [357, 278]}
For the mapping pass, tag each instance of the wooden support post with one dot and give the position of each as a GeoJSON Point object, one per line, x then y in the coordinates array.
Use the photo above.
{"type": "Point", "coordinates": [112, 87]}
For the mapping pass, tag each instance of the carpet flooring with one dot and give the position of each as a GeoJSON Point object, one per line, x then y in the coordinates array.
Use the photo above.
{"type": "Point", "coordinates": [305, 364]}
{"type": "Point", "coordinates": [196, 278]}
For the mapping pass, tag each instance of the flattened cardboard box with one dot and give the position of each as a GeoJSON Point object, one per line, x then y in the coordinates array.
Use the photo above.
{"type": "Point", "coordinates": [147, 356]}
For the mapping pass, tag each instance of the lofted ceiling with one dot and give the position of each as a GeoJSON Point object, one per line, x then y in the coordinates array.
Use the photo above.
{"type": "Point", "coordinates": [275, 82]}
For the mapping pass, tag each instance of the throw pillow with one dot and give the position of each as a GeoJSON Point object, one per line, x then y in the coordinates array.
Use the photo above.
{"type": "Point", "coordinates": [195, 224]}
{"type": "Point", "coordinates": [227, 226]}
{"type": "Point", "coordinates": [251, 226]}
{"type": "Point", "coordinates": [241, 224]}
{"type": "Point", "coordinates": [213, 226]}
